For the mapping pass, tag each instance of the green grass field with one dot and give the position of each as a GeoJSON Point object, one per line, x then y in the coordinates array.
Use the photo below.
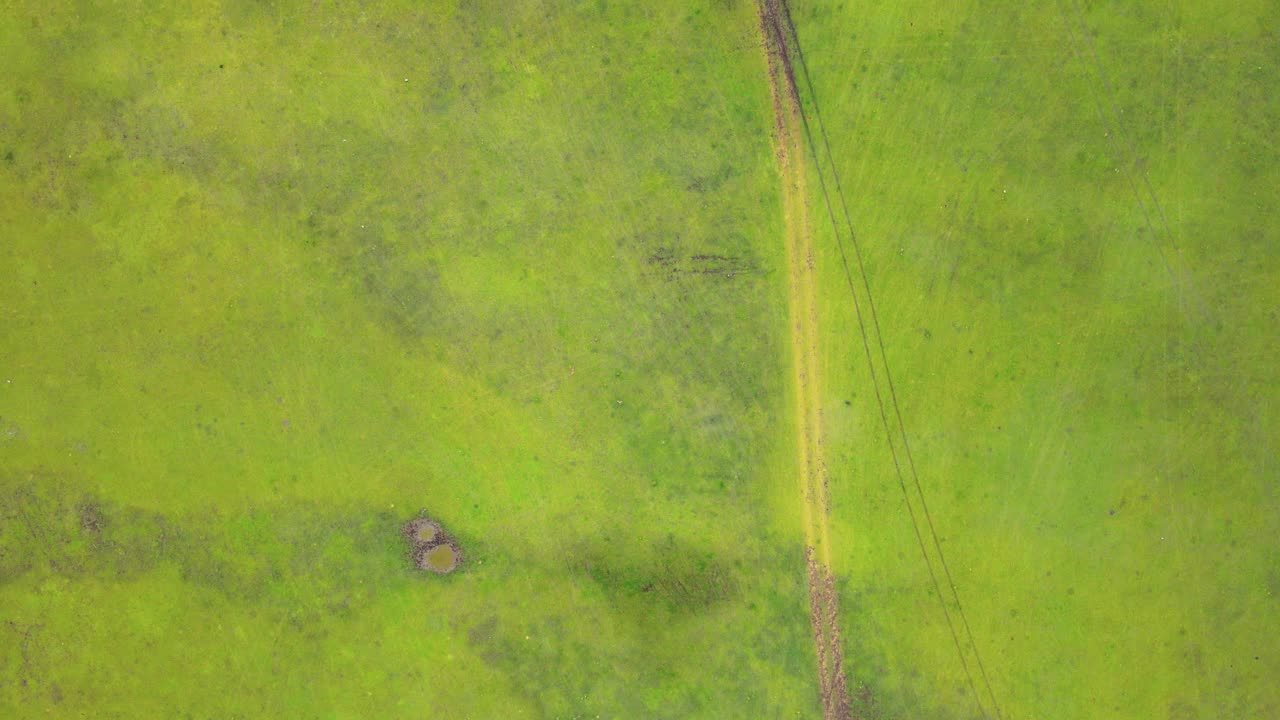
{"type": "Point", "coordinates": [1066, 219]}
{"type": "Point", "coordinates": [277, 277]}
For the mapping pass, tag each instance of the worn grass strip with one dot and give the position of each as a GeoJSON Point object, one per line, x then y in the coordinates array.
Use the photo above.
{"type": "Point", "coordinates": [802, 303]}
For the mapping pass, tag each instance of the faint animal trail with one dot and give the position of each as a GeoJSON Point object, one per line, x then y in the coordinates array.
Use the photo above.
{"type": "Point", "coordinates": [802, 301]}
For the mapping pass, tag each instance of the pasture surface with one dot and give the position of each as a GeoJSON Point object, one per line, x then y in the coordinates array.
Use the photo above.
{"type": "Point", "coordinates": [278, 278]}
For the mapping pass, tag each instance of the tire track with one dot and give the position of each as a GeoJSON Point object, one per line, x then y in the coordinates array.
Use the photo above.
{"type": "Point", "coordinates": [803, 318]}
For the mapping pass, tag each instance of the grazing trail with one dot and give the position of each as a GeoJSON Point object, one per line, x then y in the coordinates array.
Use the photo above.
{"type": "Point", "coordinates": [803, 319]}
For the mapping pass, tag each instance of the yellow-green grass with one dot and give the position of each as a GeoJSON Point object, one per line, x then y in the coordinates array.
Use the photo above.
{"type": "Point", "coordinates": [281, 277]}
{"type": "Point", "coordinates": [1095, 431]}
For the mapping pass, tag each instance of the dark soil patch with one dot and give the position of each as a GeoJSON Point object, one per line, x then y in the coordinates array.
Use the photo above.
{"type": "Point", "coordinates": [431, 548]}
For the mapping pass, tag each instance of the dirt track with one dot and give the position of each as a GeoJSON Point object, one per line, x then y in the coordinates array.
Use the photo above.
{"type": "Point", "coordinates": [802, 301]}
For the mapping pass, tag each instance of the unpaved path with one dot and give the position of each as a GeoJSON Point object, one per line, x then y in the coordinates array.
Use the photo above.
{"type": "Point", "coordinates": [802, 300]}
